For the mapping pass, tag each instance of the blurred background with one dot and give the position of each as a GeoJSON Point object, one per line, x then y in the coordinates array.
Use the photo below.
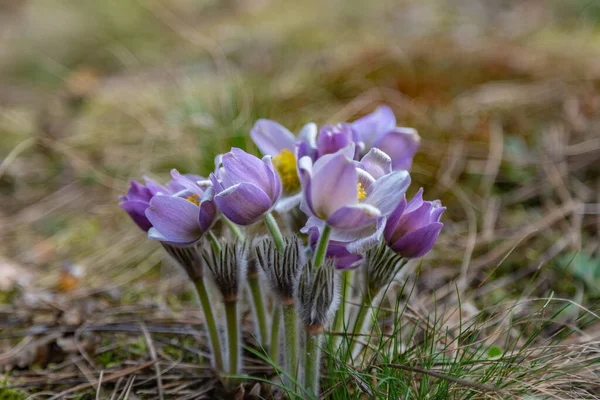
{"type": "Point", "coordinates": [505, 95]}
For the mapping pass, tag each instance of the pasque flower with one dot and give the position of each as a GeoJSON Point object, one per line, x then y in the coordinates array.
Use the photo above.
{"type": "Point", "coordinates": [182, 217]}
{"type": "Point", "coordinates": [246, 187]}
{"type": "Point", "coordinates": [333, 138]}
{"type": "Point", "coordinates": [352, 198]}
{"type": "Point", "coordinates": [379, 130]}
{"type": "Point", "coordinates": [138, 199]}
{"type": "Point", "coordinates": [276, 140]}
{"type": "Point", "coordinates": [413, 227]}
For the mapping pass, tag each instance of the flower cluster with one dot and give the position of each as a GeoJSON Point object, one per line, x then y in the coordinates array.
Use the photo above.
{"type": "Point", "coordinates": [348, 179]}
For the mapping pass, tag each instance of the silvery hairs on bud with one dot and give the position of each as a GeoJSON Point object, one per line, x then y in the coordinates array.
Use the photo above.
{"type": "Point", "coordinates": [282, 270]}
{"type": "Point", "coordinates": [317, 295]}
{"type": "Point", "coordinates": [381, 266]}
{"type": "Point", "coordinates": [228, 267]}
{"type": "Point", "coordinates": [188, 257]}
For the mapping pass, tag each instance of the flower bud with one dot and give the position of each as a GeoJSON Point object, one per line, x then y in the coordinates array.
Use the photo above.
{"type": "Point", "coordinates": [228, 267]}
{"type": "Point", "coordinates": [317, 296]}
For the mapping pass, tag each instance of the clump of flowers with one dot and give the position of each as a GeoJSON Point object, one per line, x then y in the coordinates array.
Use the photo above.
{"type": "Point", "coordinates": [349, 180]}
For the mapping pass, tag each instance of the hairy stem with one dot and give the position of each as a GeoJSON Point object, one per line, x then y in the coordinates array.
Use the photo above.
{"type": "Point", "coordinates": [275, 232]}
{"type": "Point", "coordinates": [259, 308]}
{"type": "Point", "coordinates": [312, 364]}
{"type": "Point", "coordinates": [322, 247]}
{"type": "Point", "coordinates": [211, 325]}
{"type": "Point", "coordinates": [275, 324]}
{"type": "Point", "coordinates": [340, 316]}
{"type": "Point", "coordinates": [232, 336]}
{"type": "Point", "coordinates": [237, 232]}
{"type": "Point", "coordinates": [359, 322]}
{"type": "Point", "coordinates": [291, 340]}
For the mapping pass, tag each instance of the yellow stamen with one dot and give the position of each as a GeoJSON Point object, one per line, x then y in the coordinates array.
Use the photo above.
{"type": "Point", "coordinates": [285, 164]}
{"type": "Point", "coordinates": [362, 194]}
{"type": "Point", "coordinates": [194, 199]}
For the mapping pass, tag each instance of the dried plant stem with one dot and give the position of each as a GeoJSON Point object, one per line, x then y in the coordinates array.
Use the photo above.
{"type": "Point", "coordinates": [275, 232]}
{"type": "Point", "coordinates": [259, 307]}
{"type": "Point", "coordinates": [291, 339]}
{"type": "Point", "coordinates": [312, 363]}
{"type": "Point", "coordinates": [211, 325]}
{"type": "Point", "coordinates": [275, 324]}
{"type": "Point", "coordinates": [232, 336]}
{"type": "Point", "coordinates": [322, 247]}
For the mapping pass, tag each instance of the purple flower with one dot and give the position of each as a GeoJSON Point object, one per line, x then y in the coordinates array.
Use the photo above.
{"type": "Point", "coordinates": [137, 201]}
{"type": "Point", "coordinates": [181, 218]}
{"type": "Point", "coordinates": [275, 140]}
{"type": "Point", "coordinates": [246, 187]}
{"type": "Point", "coordinates": [333, 138]}
{"type": "Point", "coordinates": [379, 130]}
{"type": "Point", "coordinates": [343, 259]}
{"type": "Point", "coordinates": [413, 228]}
{"type": "Point", "coordinates": [339, 193]}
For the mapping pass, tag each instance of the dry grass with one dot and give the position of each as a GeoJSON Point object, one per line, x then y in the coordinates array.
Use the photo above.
{"type": "Point", "coordinates": [505, 96]}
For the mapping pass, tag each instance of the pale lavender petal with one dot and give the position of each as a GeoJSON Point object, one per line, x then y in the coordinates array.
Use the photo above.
{"type": "Point", "coordinates": [400, 144]}
{"type": "Point", "coordinates": [371, 126]}
{"type": "Point", "coordinates": [334, 184]}
{"type": "Point", "coordinates": [387, 192]}
{"type": "Point", "coordinates": [436, 214]}
{"type": "Point", "coordinates": [305, 165]}
{"type": "Point", "coordinates": [418, 243]}
{"type": "Point", "coordinates": [368, 240]}
{"type": "Point", "coordinates": [184, 183]}
{"type": "Point", "coordinates": [286, 204]}
{"type": "Point", "coordinates": [304, 149]}
{"type": "Point", "coordinates": [243, 167]}
{"type": "Point", "coordinates": [376, 163]}
{"type": "Point", "coordinates": [243, 203]}
{"type": "Point", "coordinates": [308, 134]}
{"type": "Point", "coordinates": [216, 183]}
{"type": "Point", "coordinates": [365, 179]}
{"type": "Point", "coordinates": [313, 223]}
{"type": "Point", "coordinates": [175, 218]}
{"type": "Point", "coordinates": [137, 212]}
{"type": "Point", "coordinates": [271, 137]}
{"type": "Point", "coordinates": [353, 217]}
{"type": "Point", "coordinates": [155, 187]}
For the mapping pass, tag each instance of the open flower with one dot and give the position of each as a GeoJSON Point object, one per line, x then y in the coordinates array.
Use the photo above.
{"type": "Point", "coordinates": [181, 218]}
{"type": "Point", "coordinates": [379, 130]}
{"type": "Point", "coordinates": [413, 228]}
{"type": "Point", "coordinates": [349, 199]}
{"type": "Point", "coordinates": [276, 140]}
{"type": "Point", "coordinates": [138, 199]}
{"type": "Point", "coordinates": [246, 187]}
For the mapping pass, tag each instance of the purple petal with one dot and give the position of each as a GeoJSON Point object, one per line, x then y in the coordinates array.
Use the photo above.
{"type": "Point", "coordinates": [271, 137]}
{"type": "Point", "coordinates": [175, 218]}
{"type": "Point", "coordinates": [274, 189]}
{"type": "Point", "coordinates": [243, 203]}
{"type": "Point", "coordinates": [436, 214]}
{"type": "Point", "coordinates": [387, 192]}
{"type": "Point", "coordinates": [371, 126]}
{"type": "Point", "coordinates": [400, 144]}
{"type": "Point", "coordinates": [416, 202]}
{"type": "Point", "coordinates": [353, 217]}
{"type": "Point", "coordinates": [208, 210]}
{"type": "Point", "coordinates": [184, 183]}
{"type": "Point", "coordinates": [376, 163]}
{"type": "Point", "coordinates": [305, 165]}
{"type": "Point", "coordinates": [155, 187]}
{"type": "Point", "coordinates": [343, 258]}
{"type": "Point", "coordinates": [334, 184]}
{"type": "Point", "coordinates": [419, 242]}
{"type": "Point", "coordinates": [138, 192]}
{"type": "Point", "coordinates": [137, 212]}
{"type": "Point", "coordinates": [411, 221]}
{"type": "Point", "coordinates": [333, 138]}
{"type": "Point", "coordinates": [394, 218]}
{"type": "Point", "coordinates": [243, 167]}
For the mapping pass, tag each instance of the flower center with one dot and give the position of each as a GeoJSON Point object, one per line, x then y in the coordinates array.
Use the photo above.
{"type": "Point", "coordinates": [194, 199]}
{"type": "Point", "coordinates": [362, 194]}
{"type": "Point", "coordinates": [285, 164]}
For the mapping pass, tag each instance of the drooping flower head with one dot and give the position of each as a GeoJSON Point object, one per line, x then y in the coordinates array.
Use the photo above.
{"type": "Point", "coordinates": [413, 227]}
{"type": "Point", "coordinates": [379, 130]}
{"type": "Point", "coordinates": [181, 218]}
{"type": "Point", "coordinates": [138, 199]}
{"type": "Point", "coordinates": [246, 187]}
{"type": "Point", "coordinates": [352, 198]}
